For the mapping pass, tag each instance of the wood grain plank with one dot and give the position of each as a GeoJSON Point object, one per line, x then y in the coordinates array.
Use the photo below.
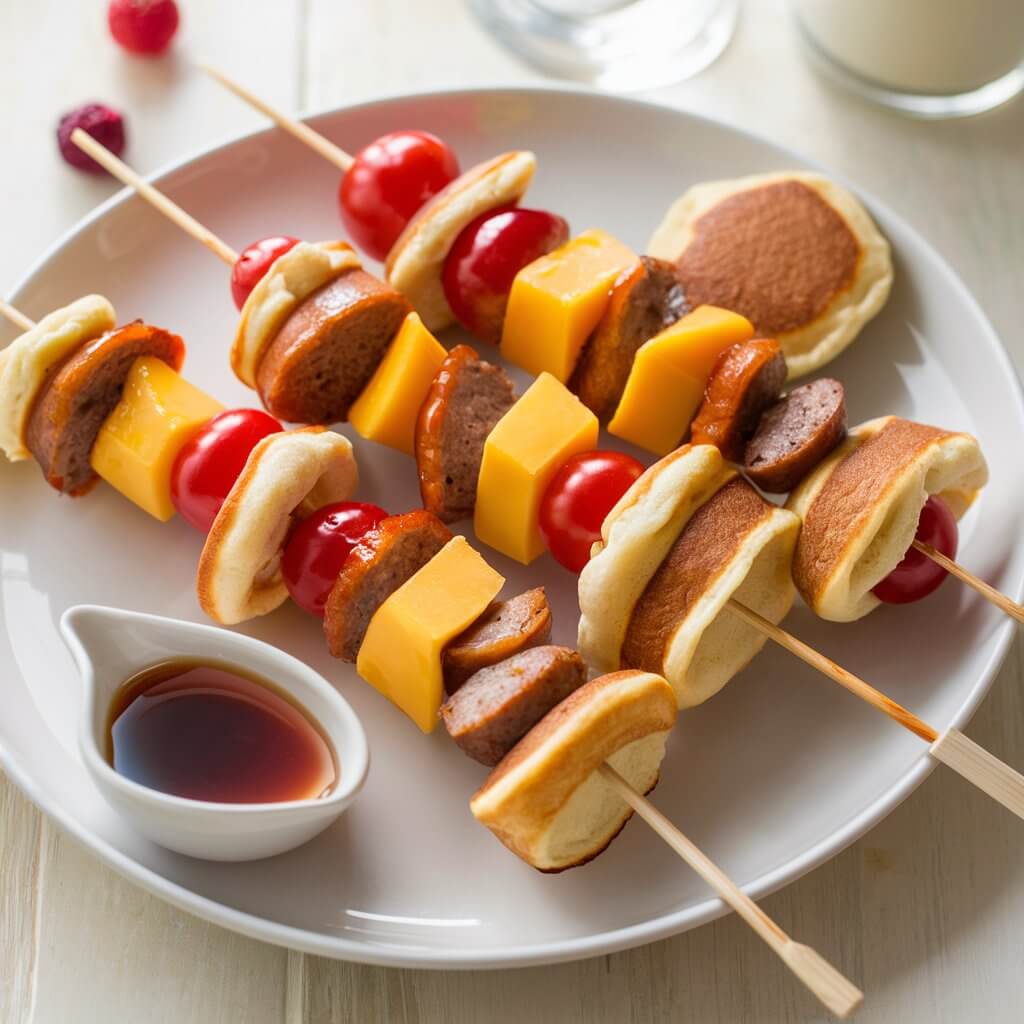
{"type": "Point", "coordinates": [110, 952]}
{"type": "Point", "coordinates": [357, 51]}
{"type": "Point", "coordinates": [20, 825]}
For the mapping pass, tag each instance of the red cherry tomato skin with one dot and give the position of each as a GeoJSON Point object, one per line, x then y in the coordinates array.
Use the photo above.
{"type": "Point", "coordinates": [579, 497]}
{"type": "Point", "coordinates": [318, 547]}
{"type": "Point", "coordinates": [254, 261]}
{"type": "Point", "coordinates": [210, 462]}
{"type": "Point", "coordinates": [487, 255]}
{"type": "Point", "coordinates": [388, 182]}
{"type": "Point", "coordinates": [917, 575]}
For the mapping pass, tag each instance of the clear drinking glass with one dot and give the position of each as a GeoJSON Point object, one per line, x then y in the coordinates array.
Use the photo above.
{"type": "Point", "coordinates": [614, 44]}
{"type": "Point", "coordinates": [930, 58]}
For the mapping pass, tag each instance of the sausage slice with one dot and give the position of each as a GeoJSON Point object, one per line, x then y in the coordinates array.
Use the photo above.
{"type": "Point", "coordinates": [500, 704]}
{"type": "Point", "coordinates": [465, 401]}
{"type": "Point", "coordinates": [645, 299]}
{"type": "Point", "coordinates": [326, 351]}
{"type": "Point", "coordinates": [375, 568]}
{"type": "Point", "coordinates": [506, 628]}
{"type": "Point", "coordinates": [795, 434]}
{"type": "Point", "coordinates": [746, 379]}
{"type": "Point", "coordinates": [76, 400]}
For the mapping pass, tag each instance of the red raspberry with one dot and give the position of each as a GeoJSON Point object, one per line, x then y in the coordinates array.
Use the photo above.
{"type": "Point", "coordinates": [143, 26]}
{"type": "Point", "coordinates": [103, 123]}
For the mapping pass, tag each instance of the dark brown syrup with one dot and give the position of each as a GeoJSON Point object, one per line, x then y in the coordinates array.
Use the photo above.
{"type": "Point", "coordinates": [214, 732]}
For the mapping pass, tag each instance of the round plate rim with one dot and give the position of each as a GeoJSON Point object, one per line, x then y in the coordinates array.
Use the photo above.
{"type": "Point", "coordinates": [600, 943]}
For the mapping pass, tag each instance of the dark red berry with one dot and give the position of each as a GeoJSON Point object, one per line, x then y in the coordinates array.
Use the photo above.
{"type": "Point", "coordinates": [143, 26]}
{"type": "Point", "coordinates": [103, 123]}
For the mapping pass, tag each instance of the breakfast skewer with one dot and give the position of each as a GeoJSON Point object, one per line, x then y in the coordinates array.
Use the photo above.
{"type": "Point", "coordinates": [285, 472]}
{"type": "Point", "coordinates": [639, 392]}
{"type": "Point", "coordinates": [694, 571]}
{"type": "Point", "coordinates": [249, 528]}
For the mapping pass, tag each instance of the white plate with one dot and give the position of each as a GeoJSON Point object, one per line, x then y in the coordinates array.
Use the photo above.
{"type": "Point", "coordinates": [771, 777]}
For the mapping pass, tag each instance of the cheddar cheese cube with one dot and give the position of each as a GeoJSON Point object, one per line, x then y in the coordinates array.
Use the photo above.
{"type": "Point", "coordinates": [666, 384]}
{"type": "Point", "coordinates": [401, 653]}
{"type": "Point", "coordinates": [387, 409]}
{"type": "Point", "coordinates": [557, 300]}
{"type": "Point", "coordinates": [137, 445]}
{"type": "Point", "coordinates": [521, 455]}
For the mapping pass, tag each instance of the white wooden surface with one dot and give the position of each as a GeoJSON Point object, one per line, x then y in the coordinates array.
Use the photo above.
{"type": "Point", "coordinates": [924, 912]}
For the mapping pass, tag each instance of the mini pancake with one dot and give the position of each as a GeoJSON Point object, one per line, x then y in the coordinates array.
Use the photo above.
{"type": "Point", "coordinates": [294, 275]}
{"type": "Point", "coordinates": [635, 538]}
{"type": "Point", "coordinates": [293, 472]}
{"type": "Point", "coordinates": [546, 800]}
{"type": "Point", "coordinates": [416, 260]}
{"type": "Point", "coordinates": [795, 253]}
{"type": "Point", "coordinates": [737, 545]}
{"type": "Point", "coordinates": [860, 508]}
{"type": "Point", "coordinates": [30, 359]}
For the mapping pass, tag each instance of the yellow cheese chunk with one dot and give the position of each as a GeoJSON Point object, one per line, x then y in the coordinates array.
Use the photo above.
{"type": "Point", "coordinates": [557, 300]}
{"type": "Point", "coordinates": [521, 455]}
{"type": "Point", "coordinates": [401, 652]}
{"type": "Point", "coordinates": [386, 411]}
{"type": "Point", "coordinates": [666, 384]}
{"type": "Point", "coordinates": [137, 445]}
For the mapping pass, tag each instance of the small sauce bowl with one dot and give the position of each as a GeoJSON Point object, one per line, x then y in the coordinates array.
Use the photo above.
{"type": "Point", "coordinates": [111, 645]}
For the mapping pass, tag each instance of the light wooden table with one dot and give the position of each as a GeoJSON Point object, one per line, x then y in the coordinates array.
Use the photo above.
{"type": "Point", "coordinates": [924, 912]}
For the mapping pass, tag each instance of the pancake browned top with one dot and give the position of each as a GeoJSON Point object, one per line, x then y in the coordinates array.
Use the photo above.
{"type": "Point", "coordinates": [702, 551]}
{"type": "Point", "coordinates": [778, 254]}
{"type": "Point", "coordinates": [850, 495]}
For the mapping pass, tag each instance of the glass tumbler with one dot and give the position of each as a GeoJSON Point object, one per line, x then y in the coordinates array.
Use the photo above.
{"type": "Point", "coordinates": [619, 45]}
{"type": "Point", "coordinates": [929, 58]}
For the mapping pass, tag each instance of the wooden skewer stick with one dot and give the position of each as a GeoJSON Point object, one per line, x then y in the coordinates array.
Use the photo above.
{"type": "Point", "coordinates": [15, 316]}
{"type": "Point", "coordinates": [840, 995]}
{"type": "Point", "coordinates": [327, 149]}
{"type": "Point", "coordinates": [951, 747]}
{"type": "Point", "coordinates": [154, 197]}
{"type": "Point", "coordinates": [986, 590]}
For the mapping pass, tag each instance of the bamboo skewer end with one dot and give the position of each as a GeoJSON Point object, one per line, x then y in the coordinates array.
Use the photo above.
{"type": "Point", "coordinates": [300, 130]}
{"type": "Point", "coordinates": [834, 990]}
{"type": "Point", "coordinates": [124, 174]}
{"type": "Point", "coordinates": [15, 316]}
{"type": "Point", "coordinates": [987, 591]}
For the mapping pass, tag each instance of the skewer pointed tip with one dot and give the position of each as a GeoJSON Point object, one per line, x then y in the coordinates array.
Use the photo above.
{"type": "Point", "coordinates": [836, 992]}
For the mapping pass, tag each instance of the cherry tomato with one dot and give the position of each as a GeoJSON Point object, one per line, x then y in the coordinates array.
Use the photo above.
{"type": "Point", "coordinates": [388, 182]}
{"type": "Point", "coordinates": [254, 262]}
{"type": "Point", "coordinates": [917, 575]}
{"type": "Point", "coordinates": [319, 546]}
{"type": "Point", "coordinates": [575, 503]}
{"type": "Point", "coordinates": [209, 464]}
{"type": "Point", "coordinates": [485, 259]}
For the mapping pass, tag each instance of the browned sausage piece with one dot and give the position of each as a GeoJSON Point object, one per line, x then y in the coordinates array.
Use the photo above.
{"type": "Point", "coordinates": [506, 628]}
{"type": "Point", "coordinates": [76, 400]}
{"type": "Point", "coordinates": [326, 351]}
{"type": "Point", "coordinates": [795, 434]}
{"type": "Point", "coordinates": [500, 704]}
{"type": "Point", "coordinates": [645, 299]}
{"type": "Point", "coordinates": [746, 379]}
{"type": "Point", "coordinates": [466, 399]}
{"type": "Point", "coordinates": [376, 567]}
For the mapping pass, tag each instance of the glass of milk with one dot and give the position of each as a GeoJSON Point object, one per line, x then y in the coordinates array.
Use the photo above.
{"type": "Point", "coordinates": [613, 44]}
{"type": "Point", "coordinates": [931, 58]}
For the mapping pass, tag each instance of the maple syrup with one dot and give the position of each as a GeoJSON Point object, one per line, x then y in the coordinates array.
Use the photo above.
{"type": "Point", "coordinates": [214, 732]}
